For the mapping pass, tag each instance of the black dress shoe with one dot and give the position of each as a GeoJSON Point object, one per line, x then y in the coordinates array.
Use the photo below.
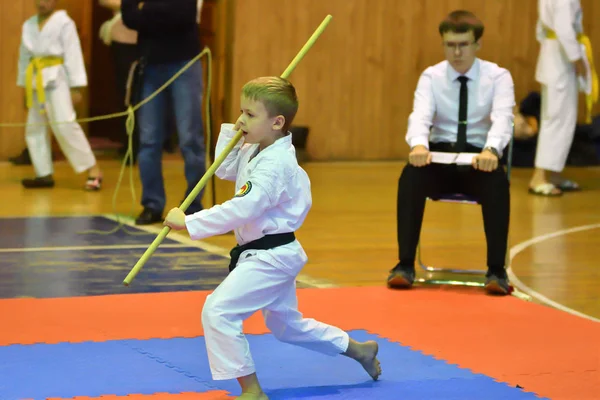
{"type": "Point", "coordinates": [21, 159]}
{"type": "Point", "coordinates": [39, 182]}
{"type": "Point", "coordinates": [497, 283]}
{"type": "Point", "coordinates": [401, 277]}
{"type": "Point", "coordinates": [149, 216]}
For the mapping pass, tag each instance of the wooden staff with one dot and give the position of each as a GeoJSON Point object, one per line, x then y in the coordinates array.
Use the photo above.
{"type": "Point", "coordinates": [210, 172]}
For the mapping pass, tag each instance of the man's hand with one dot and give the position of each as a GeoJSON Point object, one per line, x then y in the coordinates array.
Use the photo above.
{"type": "Point", "coordinates": [485, 161]}
{"type": "Point", "coordinates": [175, 219]}
{"type": "Point", "coordinates": [419, 156]}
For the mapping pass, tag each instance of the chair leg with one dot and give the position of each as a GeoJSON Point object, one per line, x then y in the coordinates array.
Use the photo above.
{"type": "Point", "coordinates": [448, 270]}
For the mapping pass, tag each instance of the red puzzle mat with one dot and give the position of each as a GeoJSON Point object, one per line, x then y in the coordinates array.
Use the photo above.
{"type": "Point", "coordinates": [543, 350]}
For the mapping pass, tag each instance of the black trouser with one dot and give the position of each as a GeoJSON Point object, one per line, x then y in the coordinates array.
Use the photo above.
{"type": "Point", "coordinates": [418, 183]}
{"type": "Point", "coordinates": [124, 55]}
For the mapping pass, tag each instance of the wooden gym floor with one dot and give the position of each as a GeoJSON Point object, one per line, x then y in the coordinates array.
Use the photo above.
{"type": "Point", "coordinates": [350, 233]}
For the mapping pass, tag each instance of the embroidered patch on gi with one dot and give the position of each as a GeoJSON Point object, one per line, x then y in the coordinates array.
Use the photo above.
{"type": "Point", "coordinates": [244, 190]}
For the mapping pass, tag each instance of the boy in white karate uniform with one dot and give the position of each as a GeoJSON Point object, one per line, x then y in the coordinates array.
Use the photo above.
{"type": "Point", "coordinates": [272, 200]}
{"type": "Point", "coordinates": [560, 63]}
{"type": "Point", "coordinates": [51, 68]}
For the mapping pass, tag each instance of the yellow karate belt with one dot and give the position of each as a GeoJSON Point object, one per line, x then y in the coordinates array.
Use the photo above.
{"type": "Point", "coordinates": [36, 65]}
{"type": "Point", "coordinates": [591, 98]}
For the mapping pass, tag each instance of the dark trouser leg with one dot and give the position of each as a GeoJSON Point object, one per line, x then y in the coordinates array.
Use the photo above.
{"type": "Point", "coordinates": [414, 186]}
{"type": "Point", "coordinates": [492, 189]}
{"type": "Point", "coordinates": [187, 101]}
{"type": "Point", "coordinates": [151, 122]}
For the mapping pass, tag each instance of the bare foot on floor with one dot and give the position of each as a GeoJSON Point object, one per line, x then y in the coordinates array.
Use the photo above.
{"type": "Point", "coordinates": [251, 389]}
{"type": "Point", "coordinates": [366, 354]}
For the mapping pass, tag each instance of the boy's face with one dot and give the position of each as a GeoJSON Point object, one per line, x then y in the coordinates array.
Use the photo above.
{"type": "Point", "coordinates": [256, 124]}
{"type": "Point", "coordinates": [45, 7]}
{"type": "Point", "coordinates": [460, 50]}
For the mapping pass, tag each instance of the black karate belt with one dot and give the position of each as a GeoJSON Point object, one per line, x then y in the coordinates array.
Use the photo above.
{"type": "Point", "coordinates": [264, 243]}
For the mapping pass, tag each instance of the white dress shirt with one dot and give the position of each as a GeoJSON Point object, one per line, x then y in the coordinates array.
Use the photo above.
{"type": "Point", "coordinates": [490, 106]}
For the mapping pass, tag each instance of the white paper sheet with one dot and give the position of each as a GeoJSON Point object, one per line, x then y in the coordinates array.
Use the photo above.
{"type": "Point", "coordinates": [452, 158]}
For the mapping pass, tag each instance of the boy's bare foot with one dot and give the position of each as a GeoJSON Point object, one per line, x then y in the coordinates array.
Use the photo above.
{"type": "Point", "coordinates": [366, 354]}
{"type": "Point", "coordinates": [251, 389]}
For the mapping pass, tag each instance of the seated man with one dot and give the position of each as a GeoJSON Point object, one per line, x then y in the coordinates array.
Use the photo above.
{"type": "Point", "coordinates": [444, 120]}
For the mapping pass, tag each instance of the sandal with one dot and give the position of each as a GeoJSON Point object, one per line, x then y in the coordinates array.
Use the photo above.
{"type": "Point", "coordinates": [545, 189]}
{"type": "Point", "coordinates": [568, 185]}
{"type": "Point", "coordinates": [93, 183]}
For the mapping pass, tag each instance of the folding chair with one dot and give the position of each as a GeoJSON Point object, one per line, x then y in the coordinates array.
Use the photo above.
{"type": "Point", "coordinates": [461, 199]}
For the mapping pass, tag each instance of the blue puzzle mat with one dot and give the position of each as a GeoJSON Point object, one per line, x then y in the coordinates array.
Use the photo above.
{"type": "Point", "coordinates": [180, 365]}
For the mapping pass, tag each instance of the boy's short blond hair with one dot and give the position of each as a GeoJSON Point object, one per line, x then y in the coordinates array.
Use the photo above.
{"type": "Point", "coordinates": [277, 94]}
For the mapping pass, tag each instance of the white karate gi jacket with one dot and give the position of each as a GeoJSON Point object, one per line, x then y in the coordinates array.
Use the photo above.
{"type": "Point", "coordinates": [57, 38]}
{"type": "Point", "coordinates": [555, 58]}
{"type": "Point", "coordinates": [272, 196]}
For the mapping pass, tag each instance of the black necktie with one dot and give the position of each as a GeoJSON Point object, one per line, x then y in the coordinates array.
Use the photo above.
{"type": "Point", "coordinates": [461, 139]}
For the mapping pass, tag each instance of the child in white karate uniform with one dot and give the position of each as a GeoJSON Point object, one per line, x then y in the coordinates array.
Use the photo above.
{"type": "Point", "coordinates": [560, 63]}
{"type": "Point", "coordinates": [51, 69]}
{"type": "Point", "coordinates": [272, 200]}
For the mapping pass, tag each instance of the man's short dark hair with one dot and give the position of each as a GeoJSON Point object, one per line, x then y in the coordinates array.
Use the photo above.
{"type": "Point", "coordinates": [461, 21]}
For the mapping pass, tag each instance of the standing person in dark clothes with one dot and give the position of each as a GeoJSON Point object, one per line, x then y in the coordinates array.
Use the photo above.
{"type": "Point", "coordinates": [168, 38]}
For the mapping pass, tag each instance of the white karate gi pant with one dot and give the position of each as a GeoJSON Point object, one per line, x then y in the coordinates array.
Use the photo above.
{"type": "Point", "coordinates": [256, 284]}
{"type": "Point", "coordinates": [70, 136]}
{"type": "Point", "coordinates": [558, 120]}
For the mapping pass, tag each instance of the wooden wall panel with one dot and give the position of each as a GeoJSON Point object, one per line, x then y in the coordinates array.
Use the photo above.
{"type": "Point", "coordinates": [215, 33]}
{"type": "Point", "coordinates": [221, 67]}
{"type": "Point", "coordinates": [12, 16]}
{"type": "Point", "coordinates": [356, 85]}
